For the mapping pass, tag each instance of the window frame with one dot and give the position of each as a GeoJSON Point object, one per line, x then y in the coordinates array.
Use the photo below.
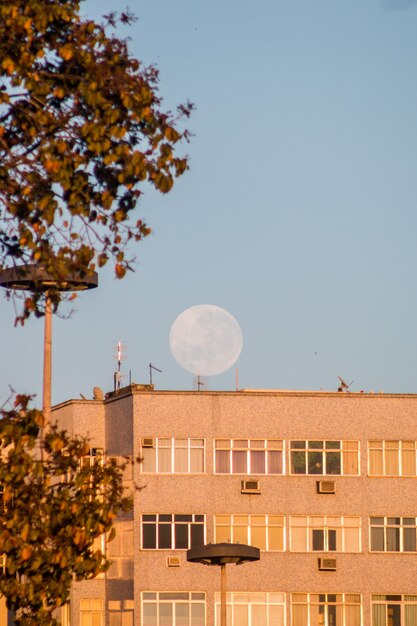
{"type": "Point", "coordinates": [310, 602]}
{"type": "Point", "coordinates": [384, 448]}
{"type": "Point", "coordinates": [160, 445]}
{"type": "Point", "coordinates": [312, 524]}
{"type": "Point", "coordinates": [387, 526]}
{"type": "Point", "coordinates": [172, 523]}
{"type": "Point", "coordinates": [254, 599]}
{"type": "Point", "coordinates": [232, 445]}
{"type": "Point", "coordinates": [90, 611]}
{"type": "Point", "coordinates": [393, 601]}
{"type": "Point", "coordinates": [160, 598]}
{"type": "Point", "coordinates": [325, 450]}
{"type": "Point", "coordinates": [250, 528]}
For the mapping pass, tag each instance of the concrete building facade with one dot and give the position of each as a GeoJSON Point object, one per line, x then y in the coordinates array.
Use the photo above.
{"type": "Point", "coordinates": [323, 483]}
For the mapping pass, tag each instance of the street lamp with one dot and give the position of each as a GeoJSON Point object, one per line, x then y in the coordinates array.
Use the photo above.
{"type": "Point", "coordinates": [32, 278]}
{"type": "Point", "coordinates": [222, 554]}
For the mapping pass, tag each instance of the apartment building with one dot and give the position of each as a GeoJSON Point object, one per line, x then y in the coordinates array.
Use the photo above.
{"type": "Point", "coordinates": [323, 483]}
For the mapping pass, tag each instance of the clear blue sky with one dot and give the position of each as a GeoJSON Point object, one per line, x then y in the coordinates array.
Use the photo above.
{"type": "Point", "coordinates": [298, 214]}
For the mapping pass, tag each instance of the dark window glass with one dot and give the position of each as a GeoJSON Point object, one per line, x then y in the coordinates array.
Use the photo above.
{"type": "Point", "coordinates": [318, 539]}
{"type": "Point", "coordinates": [332, 540]}
{"type": "Point", "coordinates": [165, 518]}
{"type": "Point", "coordinates": [299, 445]}
{"type": "Point", "coordinates": [332, 445]}
{"type": "Point", "coordinates": [333, 463]}
{"type": "Point", "coordinates": [164, 536]}
{"type": "Point", "coordinates": [298, 463]}
{"type": "Point", "coordinates": [199, 518]}
{"type": "Point", "coordinates": [393, 539]}
{"type": "Point", "coordinates": [149, 518]}
{"type": "Point", "coordinates": [181, 536]}
{"type": "Point", "coordinates": [183, 518]}
{"type": "Point", "coordinates": [377, 539]}
{"type": "Point", "coordinates": [197, 535]}
{"type": "Point", "coordinates": [149, 536]}
{"type": "Point", "coordinates": [315, 463]}
{"type": "Point", "coordinates": [409, 538]}
{"type": "Point", "coordinates": [315, 445]}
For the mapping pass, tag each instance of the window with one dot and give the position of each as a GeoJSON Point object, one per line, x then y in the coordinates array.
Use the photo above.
{"type": "Point", "coordinates": [91, 612]}
{"type": "Point", "coordinates": [252, 609]}
{"type": "Point", "coordinates": [94, 455]}
{"type": "Point", "coordinates": [172, 532]}
{"type": "Point", "coordinates": [393, 534]}
{"type": "Point", "coordinates": [173, 609]}
{"type": "Point", "coordinates": [324, 457]}
{"type": "Point", "coordinates": [265, 532]}
{"type": "Point", "coordinates": [394, 610]}
{"type": "Point", "coordinates": [326, 609]}
{"type": "Point", "coordinates": [392, 458]}
{"type": "Point", "coordinates": [120, 612]}
{"type": "Point", "coordinates": [248, 456]}
{"type": "Point", "coordinates": [324, 533]}
{"type": "Point", "coordinates": [174, 456]}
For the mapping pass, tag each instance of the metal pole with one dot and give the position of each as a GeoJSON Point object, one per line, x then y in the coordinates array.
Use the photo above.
{"type": "Point", "coordinates": [223, 616]}
{"type": "Point", "coordinates": [47, 361]}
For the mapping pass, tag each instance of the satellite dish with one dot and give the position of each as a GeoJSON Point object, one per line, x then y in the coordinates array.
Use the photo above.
{"type": "Point", "coordinates": [205, 340]}
{"type": "Point", "coordinates": [98, 394]}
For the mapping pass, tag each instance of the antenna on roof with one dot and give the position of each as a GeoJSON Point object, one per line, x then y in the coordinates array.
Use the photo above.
{"type": "Point", "coordinates": [344, 386]}
{"type": "Point", "coordinates": [152, 367]}
{"type": "Point", "coordinates": [117, 377]}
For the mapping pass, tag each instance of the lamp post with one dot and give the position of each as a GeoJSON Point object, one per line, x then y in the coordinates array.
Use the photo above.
{"type": "Point", "coordinates": [221, 554]}
{"type": "Point", "coordinates": [31, 278]}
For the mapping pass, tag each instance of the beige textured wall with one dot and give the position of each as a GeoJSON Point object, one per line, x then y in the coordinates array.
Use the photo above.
{"type": "Point", "coordinates": [278, 415]}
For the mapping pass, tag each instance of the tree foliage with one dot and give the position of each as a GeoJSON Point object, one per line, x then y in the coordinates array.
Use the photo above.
{"type": "Point", "coordinates": [81, 131]}
{"type": "Point", "coordinates": [53, 509]}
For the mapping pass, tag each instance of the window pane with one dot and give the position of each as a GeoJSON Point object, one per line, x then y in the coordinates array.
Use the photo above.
{"type": "Point", "coordinates": [333, 463]}
{"type": "Point", "coordinates": [274, 462]}
{"type": "Point", "coordinates": [408, 462]}
{"type": "Point", "coordinates": [197, 460]}
{"type": "Point", "coordinates": [351, 539]}
{"type": "Point", "coordinates": [298, 463]}
{"type": "Point", "coordinates": [377, 539]}
{"type": "Point", "coordinates": [409, 535]}
{"type": "Point", "coordinates": [318, 539]}
{"type": "Point", "coordinates": [148, 460]}
{"type": "Point", "coordinates": [182, 615]}
{"type": "Point", "coordinates": [240, 534]}
{"type": "Point", "coordinates": [276, 616]}
{"type": "Point", "coordinates": [239, 462]}
{"type": "Point", "coordinates": [393, 539]}
{"type": "Point", "coordinates": [275, 538]}
{"type": "Point", "coordinates": [240, 616]}
{"type": "Point", "coordinates": [222, 461]}
{"type": "Point", "coordinates": [223, 534]}
{"type": "Point", "coordinates": [259, 615]}
{"type": "Point", "coordinates": [164, 536]}
{"type": "Point", "coordinates": [258, 537]}
{"type": "Point", "coordinates": [391, 463]}
{"type": "Point", "coordinates": [165, 614]}
{"type": "Point", "coordinates": [149, 614]}
{"type": "Point", "coordinates": [257, 461]}
{"type": "Point", "coordinates": [149, 536]}
{"type": "Point", "coordinates": [376, 467]}
{"type": "Point", "coordinates": [315, 462]}
{"type": "Point", "coordinates": [164, 460]}
{"type": "Point", "coordinates": [197, 614]}
{"type": "Point", "coordinates": [181, 536]}
{"type": "Point", "coordinates": [181, 460]}
{"type": "Point", "coordinates": [197, 535]}
{"type": "Point", "coordinates": [331, 540]}
{"type": "Point", "coordinates": [298, 539]}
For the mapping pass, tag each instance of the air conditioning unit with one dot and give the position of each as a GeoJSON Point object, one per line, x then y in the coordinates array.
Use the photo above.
{"type": "Point", "coordinates": [326, 486]}
{"type": "Point", "coordinates": [148, 442]}
{"type": "Point", "coordinates": [173, 561]}
{"type": "Point", "coordinates": [326, 565]}
{"type": "Point", "coordinates": [250, 486]}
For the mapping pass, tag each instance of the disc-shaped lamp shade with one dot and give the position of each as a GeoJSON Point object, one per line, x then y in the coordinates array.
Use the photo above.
{"type": "Point", "coordinates": [223, 553]}
{"type": "Point", "coordinates": [33, 277]}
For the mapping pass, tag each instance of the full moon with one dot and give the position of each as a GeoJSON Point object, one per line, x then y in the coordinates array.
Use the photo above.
{"type": "Point", "coordinates": [205, 340]}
